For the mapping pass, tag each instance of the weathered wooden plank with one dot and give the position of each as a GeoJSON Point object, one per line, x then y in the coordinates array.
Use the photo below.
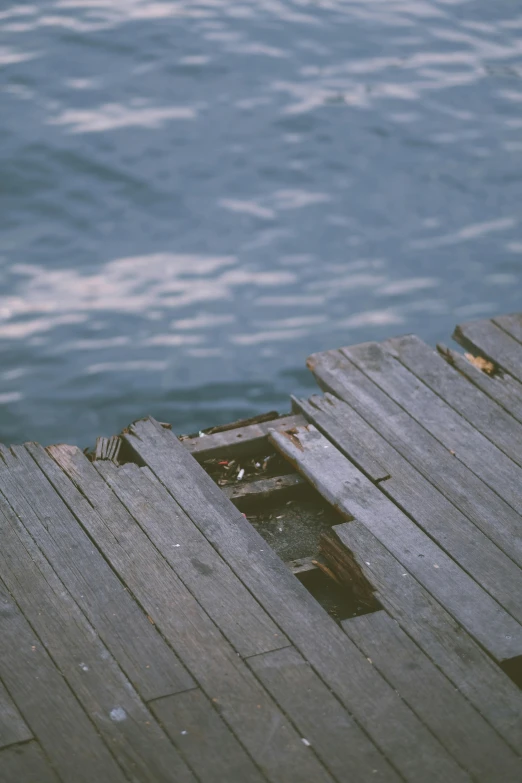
{"type": "Point", "coordinates": [320, 717]}
{"type": "Point", "coordinates": [512, 324]}
{"type": "Point", "coordinates": [473, 405]}
{"type": "Point", "coordinates": [394, 729]}
{"type": "Point", "coordinates": [240, 442]}
{"type": "Point", "coordinates": [344, 486]}
{"type": "Point", "coordinates": [13, 728]}
{"type": "Point", "coordinates": [489, 340]}
{"type": "Point", "coordinates": [25, 764]}
{"type": "Point", "coordinates": [487, 510]}
{"type": "Point", "coordinates": [468, 445]}
{"type": "Point", "coordinates": [245, 706]}
{"type": "Point", "coordinates": [454, 532]}
{"type": "Point", "coordinates": [279, 488]}
{"type": "Point", "coordinates": [215, 586]}
{"type": "Point", "coordinates": [443, 640]}
{"type": "Point", "coordinates": [207, 743]}
{"type": "Point", "coordinates": [147, 660]}
{"type": "Point", "coordinates": [48, 706]}
{"type": "Point", "coordinates": [140, 746]}
{"type": "Point", "coordinates": [449, 715]}
{"type": "Point", "coordinates": [503, 389]}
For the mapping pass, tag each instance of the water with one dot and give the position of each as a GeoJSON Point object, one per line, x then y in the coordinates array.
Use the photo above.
{"type": "Point", "coordinates": [197, 195]}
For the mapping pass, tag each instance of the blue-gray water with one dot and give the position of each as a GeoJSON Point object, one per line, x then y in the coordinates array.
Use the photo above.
{"type": "Point", "coordinates": [194, 196]}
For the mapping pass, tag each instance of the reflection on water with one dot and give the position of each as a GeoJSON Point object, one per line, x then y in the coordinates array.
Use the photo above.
{"type": "Point", "coordinates": [195, 196]}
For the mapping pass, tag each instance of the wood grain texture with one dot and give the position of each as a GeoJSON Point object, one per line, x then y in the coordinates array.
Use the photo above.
{"type": "Point", "coordinates": [473, 405]}
{"type": "Point", "coordinates": [345, 487]}
{"type": "Point", "coordinates": [238, 442]}
{"type": "Point", "coordinates": [25, 764]}
{"type": "Point", "coordinates": [277, 489]}
{"type": "Point", "coordinates": [512, 324]}
{"type": "Point", "coordinates": [242, 702]}
{"type": "Point", "coordinates": [204, 739]}
{"type": "Point", "coordinates": [443, 640]}
{"type": "Point", "coordinates": [147, 660]}
{"type": "Point", "coordinates": [466, 443]}
{"type": "Point", "coordinates": [13, 728]}
{"type": "Point", "coordinates": [407, 487]}
{"type": "Point", "coordinates": [449, 715]}
{"type": "Point", "coordinates": [134, 737]}
{"type": "Point", "coordinates": [484, 507]}
{"type": "Point", "coordinates": [492, 342]}
{"type": "Point", "coordinates": [503, 389]}
{"type": "Point", "coordinates": [69, 739]}
{"type": "Point", "coordinates": [394, 728]}
{"type": "Point", "coordinates": [215, 586]}
{"type": "Point", "coordinates": [321, 718]}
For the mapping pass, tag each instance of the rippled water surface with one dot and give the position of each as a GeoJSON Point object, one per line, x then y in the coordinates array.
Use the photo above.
{"type": "Point", "coordinates": [197, 195]}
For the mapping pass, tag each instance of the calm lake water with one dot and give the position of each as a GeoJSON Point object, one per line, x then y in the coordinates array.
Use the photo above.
{"type": "Point", "coordinates": [197, 195]}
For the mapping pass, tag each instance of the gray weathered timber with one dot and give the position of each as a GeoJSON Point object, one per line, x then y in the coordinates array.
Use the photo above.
{"type": "Point", "coordinates": [489, 512]}
{"type": "Point", "coordinates": [512, 324]}
{"type": "Point", "coordinates": [476, 407]}
{"type": "Point", "coordinates": [394, 728]}
{"type": "Point", "coordinates": [442, 521]}
{"type": "Point", "coordinates": [221, 594]}
{"type": "Point", "coordinates": [492, 342]}
{"type": "Point", "coordinates": [443, 640]}
{"type": "Point", "coordinates": [69, 740]}
{"type": "Point", "coordinates": [466, 443]}
{"type": "Point", "coordinates": [140, 746]}
{"type": "Point", "coordinates": [147, 660]}
{"type": "Point", "coordinates": [13, 728]}
{"type": "Point", "coordinates": [223, 676]}
{"type": "Point", "coordinates": [25, 764]}
{"type": "Point", "coordinates": [238, 442]}
{"type": "Point", "coordinates": [344, 486]}
{"type": "Point", "coordinates": [204, 739]}
{"type": "Point", "coordinates": [504, 389]}
{"type": "Point", "coordinates": [321, 718]}
{"type": "Point", "coordinates": [460, 728]}
{"type": "Point", "coordinates": [278, 488]}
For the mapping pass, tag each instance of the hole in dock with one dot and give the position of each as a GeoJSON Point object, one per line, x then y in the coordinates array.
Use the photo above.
{"type": "Point", "coordinates": [339, 601]}
{"type": "Point", "coordinates": [513, 669]}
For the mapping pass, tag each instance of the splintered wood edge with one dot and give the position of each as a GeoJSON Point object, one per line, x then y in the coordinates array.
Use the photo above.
{"type": "Point", "coordinates": [342, 564]}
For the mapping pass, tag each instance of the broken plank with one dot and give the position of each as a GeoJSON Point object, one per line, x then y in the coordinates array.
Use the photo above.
{"type": "Point", "coordinates": [455, 533]}
{"type": "Point", "coordinates": [484, 507]}
{"type": "Point", "coordinates": [240, 442]}
{"type": "Point", "coordinates": [351, 547]}
{"type": "Point", "coordinates": [473, 405]}
{"type": "Point", "coordinates": [136, 740]}
{"type": "Point", "coordinates": [320, 717]}
{"type": "Point", "coordinates": [25, 764]}
{"type": "Point", "coordinates": [221, 594]}
{"type": "Point", "coordinates": [245, 706]}
{"type": "Point", "coordinates": [13, 728]}
{"type": "Point", "coordinates": [252, 493]}
{"type": "Point", "coordinates": [462, 439]}
{"type": "Point", "coordinates": [503, 389]}
{"type": "Point", "coordinates": [394, 729]}
{"type": "Point", "coordinates": [449, 715]}
{"type": "Point", "coordinates": [49, 707]}
{"type": "Point", "coordinates": [346, 488]}
{"type": "Point", "coordinates": [489, 340]}
{"type": "Point", "coordinates": [147, 660]}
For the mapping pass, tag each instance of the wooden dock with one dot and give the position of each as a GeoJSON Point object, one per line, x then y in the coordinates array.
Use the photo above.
{"type": "Point", "coordinates": [332, 595]}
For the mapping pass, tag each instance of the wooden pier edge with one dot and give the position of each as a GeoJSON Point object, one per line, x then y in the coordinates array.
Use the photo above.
{"type": "Point", "coordinates": [329, 594]}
